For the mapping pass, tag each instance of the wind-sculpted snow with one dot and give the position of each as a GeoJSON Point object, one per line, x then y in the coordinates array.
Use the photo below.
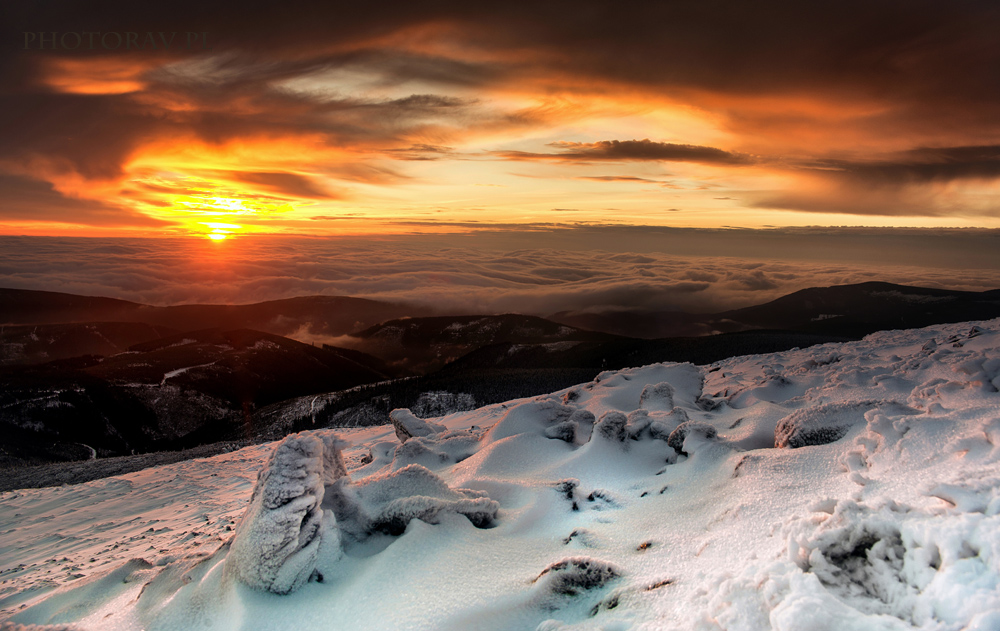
{"type": "Point", "coordinates": [827, 423]}
{"type": "Point", "coordinates": [840, 487]}
{"type": "Point", "coordinates": [387, 503]}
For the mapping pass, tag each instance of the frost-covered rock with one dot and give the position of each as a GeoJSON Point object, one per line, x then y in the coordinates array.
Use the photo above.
{"type": "Point", "coordinates": [678, 437]}
{"type": "Point", "coordinates": [825, 424]}
{"type": "Point", "coordinates": [275, 545]}
{"type": "Point", "coordinates": [387, 503]}
{"type": "Point", "coordinates": [407, 425]}
{"type": "Point", "coordinates": [333, 462]}
{"type": "Point", "coordinates": [575, 575]}
{"type": "Point", "coordinates": [658, 396]}
{"type": "Point", "coordinates": [612, 426]}
{"type": "Point", "coordinates": [548, 417]}
{"type": "Point", "coordinates": [436, 450]}
{"type": "Point", "coordinates": [576, 429]}
{"type": "Point", "coordinates": [656, 425]}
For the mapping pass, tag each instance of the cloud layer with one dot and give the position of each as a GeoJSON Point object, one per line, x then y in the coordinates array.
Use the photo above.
{"type": "Point", "coordinates": [552, 271]}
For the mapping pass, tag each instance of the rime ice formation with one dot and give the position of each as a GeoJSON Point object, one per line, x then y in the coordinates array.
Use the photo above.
{"type": "Point", "coordinates": [276, 542]}
{"type": "Point", "coordinates": [408, 426]}
{"type": "Point", "coordinates": [573, 576]}
{"type": "Point", "coordinates": [678, 439]}
{"type": "Point", "coordinates": [841, 487]}
{"type": "Point", "coordinates": [387, 503]}
{"type": "Point", "coordinates": [828, 423]}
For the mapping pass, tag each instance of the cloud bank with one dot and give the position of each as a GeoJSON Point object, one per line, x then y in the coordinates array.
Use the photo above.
{"type": "Point", "coordinates": [541, 273]}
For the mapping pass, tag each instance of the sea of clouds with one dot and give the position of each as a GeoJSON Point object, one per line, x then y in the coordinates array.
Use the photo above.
{"type": "Point", "coordinates": [537, 273]}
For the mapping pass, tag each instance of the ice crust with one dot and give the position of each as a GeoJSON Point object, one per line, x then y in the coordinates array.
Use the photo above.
{"type": "Point", "coordinates": [841, 487]}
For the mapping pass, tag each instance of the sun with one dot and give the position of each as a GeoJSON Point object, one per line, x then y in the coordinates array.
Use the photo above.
{"type": "Point", "coordinates": [220, 231]}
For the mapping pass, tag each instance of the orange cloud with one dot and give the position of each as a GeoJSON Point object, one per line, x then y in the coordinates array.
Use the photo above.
{"type": "Point", "coordinates": [96, 75]}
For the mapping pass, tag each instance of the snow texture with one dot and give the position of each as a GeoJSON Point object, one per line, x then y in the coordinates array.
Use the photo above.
{"type": "Point", "coordinates": [828, 423]}
{"type": "Point", "coordinates": [841, 487]}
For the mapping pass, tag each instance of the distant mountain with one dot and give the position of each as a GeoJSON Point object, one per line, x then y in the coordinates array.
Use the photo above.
{"type": "Point", "coordinates": [856, 310]}
{"type": "Point", "coordinates": [25, 306]}
{"type": "Point", "coordinates": [40, 343]}
{"type": "Point", "coordinates": [645, 324]}
{"type": "Point", "coordinates": [842, 310]}
{"type": "Point", "coordinates": [420, 340]}
{"type": "Point", "coordinates": [315, 315]}
{"type": "Point", "coordinates": [176, 391]}
{"type": "Point", "coordinates": [422, 345]}
{"type": "Point", "coordinates": [624, 352]}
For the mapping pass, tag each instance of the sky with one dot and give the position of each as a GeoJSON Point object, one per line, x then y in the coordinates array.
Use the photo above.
{"type": "Point", "coordinates": [381, 118]}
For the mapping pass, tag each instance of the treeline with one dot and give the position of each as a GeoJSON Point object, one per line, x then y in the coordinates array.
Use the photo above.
{"type": "Point", "coordinates": [371, 404]}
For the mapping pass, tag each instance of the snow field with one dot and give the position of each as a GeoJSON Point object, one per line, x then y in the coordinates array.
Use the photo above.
{"type": "Point", "coordinates": [649, 498]}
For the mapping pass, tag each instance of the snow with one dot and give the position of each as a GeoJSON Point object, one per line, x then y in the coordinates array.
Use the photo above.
{"type": "Point", "coordinates": [180, 371]}
{"type": "Point", "coordinates": [265, 345]}
{"type": "Point", "coordinates": [843, 486]}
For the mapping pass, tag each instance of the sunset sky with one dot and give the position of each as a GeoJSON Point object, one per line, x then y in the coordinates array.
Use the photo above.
{"type": "Point", "coordinates": [395, 117]}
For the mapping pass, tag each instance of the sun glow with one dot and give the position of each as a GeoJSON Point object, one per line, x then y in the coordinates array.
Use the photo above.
{"type": "Point", "coordinates": [219, 231]}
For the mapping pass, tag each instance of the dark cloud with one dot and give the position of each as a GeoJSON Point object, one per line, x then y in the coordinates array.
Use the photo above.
{"type": "Point", "coordinates": [281, 182]}
{"type": "Point", "coordinates": [87, 134]}
{"type": "Point", "coordinates": [921, 166]}
{"type": "Point", "coordinates": [902, 184]}
{"type": "Point", "coordinates": [907, 50]}
{"type": "Point", "coordinates": [627, 150]}
{"type": "Point", "coordinates": [845, 199]}
{"type": "Point", "coordinates": [28, 199]}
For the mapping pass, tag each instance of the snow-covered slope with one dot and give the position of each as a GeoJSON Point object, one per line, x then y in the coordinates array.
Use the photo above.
{"type": "Point", "coordinates": [650, 498]}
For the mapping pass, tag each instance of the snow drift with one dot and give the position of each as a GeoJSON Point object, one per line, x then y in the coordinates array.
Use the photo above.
{"type": "Point", "coordinates": [850, 486]}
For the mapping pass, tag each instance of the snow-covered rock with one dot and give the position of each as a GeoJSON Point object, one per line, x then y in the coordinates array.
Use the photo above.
{"type": "Point", "coordinates": [408, 426]}
{"type": "Point", "coordinates": [573, 576]}
{"type": "Point", "coordinates": [828, 423]}
{"type": "Point", "coordinates": [277, 540]}
{"type": "Point", "coordinates": [688, 429]}
{"type": "Point", "coordinates": [612, 426]}
{"type": "Point", "coordinates": [658, 396]}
